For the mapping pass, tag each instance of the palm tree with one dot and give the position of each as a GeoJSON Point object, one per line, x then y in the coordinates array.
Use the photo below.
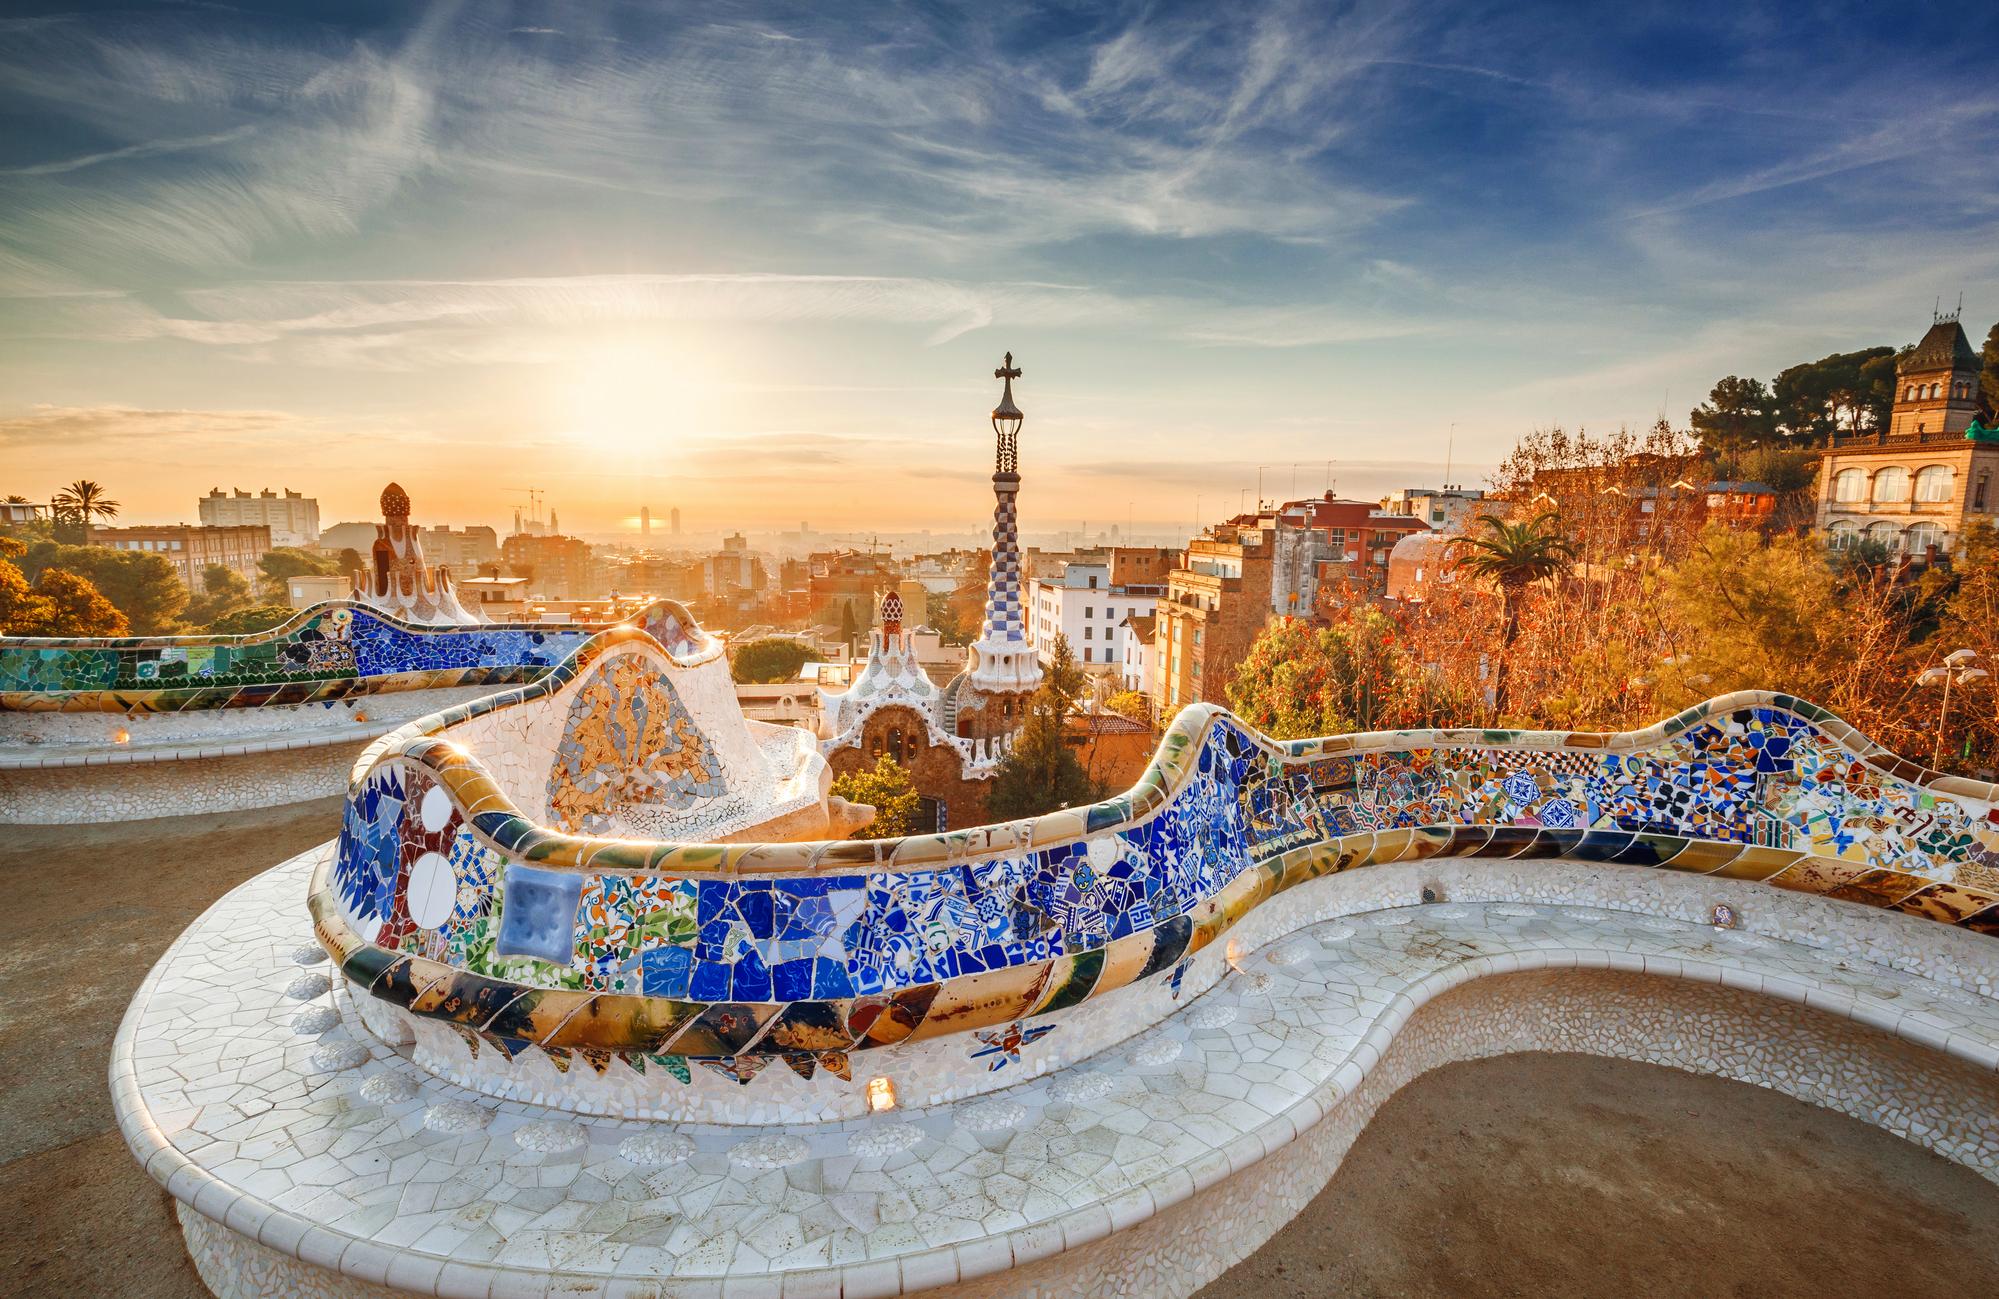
{"type": "Point", "coordinates": [84, 500]}
{"type": "Point", "coordinates": [1513, 556]}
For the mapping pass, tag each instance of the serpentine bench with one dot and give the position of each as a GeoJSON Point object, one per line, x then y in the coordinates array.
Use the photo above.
{"type": "Point", "coordinates": [101, 729]}
{"type": "Point", "coordinates": [535, 1042]}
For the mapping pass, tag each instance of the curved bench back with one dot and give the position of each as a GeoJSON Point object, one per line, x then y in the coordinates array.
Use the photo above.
{"type": "Point", "coordinates": [445, 899]}
{"type": "Point", "coordinates": [332, 650]}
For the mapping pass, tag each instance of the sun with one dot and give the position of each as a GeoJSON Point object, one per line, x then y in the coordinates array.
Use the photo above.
{"type": "Point", "coordinates": [635, 398]}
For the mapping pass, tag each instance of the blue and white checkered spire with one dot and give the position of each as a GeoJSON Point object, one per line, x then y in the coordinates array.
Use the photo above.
{"type": "Point", "coordinates": [1002, 658]}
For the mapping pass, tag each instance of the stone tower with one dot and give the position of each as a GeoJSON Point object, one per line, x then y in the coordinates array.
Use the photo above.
{"type": "Point", "coordinates": [1001, 667]}
{"type": "Point", "coordinates": [1936, 384]}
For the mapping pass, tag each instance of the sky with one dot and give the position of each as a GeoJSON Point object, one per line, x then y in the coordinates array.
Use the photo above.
{"type": "Point", "coordinates": [758, 262]}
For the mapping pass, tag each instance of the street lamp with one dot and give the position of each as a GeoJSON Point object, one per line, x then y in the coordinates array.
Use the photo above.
{"type": "Point", "coordinates": [1957, 670]}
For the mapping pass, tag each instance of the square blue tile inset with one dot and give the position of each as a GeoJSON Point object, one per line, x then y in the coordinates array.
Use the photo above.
{"type": "Point", "coordinates": [538, 914]}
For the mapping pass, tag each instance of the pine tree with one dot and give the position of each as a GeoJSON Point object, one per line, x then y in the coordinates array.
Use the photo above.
{"type": "Point", "coordinates": [1988, 377]}
{"type": "Point", "coordinates": [1041, 773]}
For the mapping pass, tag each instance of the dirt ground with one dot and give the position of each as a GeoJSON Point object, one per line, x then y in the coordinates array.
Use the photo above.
{"type": "Point", "coordinates": [1530, 1175]}
{"type": "Point", "coordinates": [88, 910]}
{"type": "Point", "coordinates": [1561, 1176]}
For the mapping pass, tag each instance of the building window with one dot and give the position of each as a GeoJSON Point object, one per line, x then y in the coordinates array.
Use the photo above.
{"type": "Point", "coordinates": [1935, 483]}
{"type": "Point", "coordinates": [1086, 654]}
{"type": "Point", "coordinates": [1891, 485]}
{"type": "Point", "coordinates": [1888, 535]}
{"type": "Point", "coordinates": [1093, 583]}
{"type": "Point", "coordinates": [1850, 485]}
{"type": "Point", "coordinates": [1922, 536]}
{"type": "Point", "coordinates": [1089, 611]}
{"type": "Point", "coordinates": [1843, 534]}
{"type": "Point", "coordinates": [1978, 493]}
{"type": "Point", "coordinates": [1089, 633]}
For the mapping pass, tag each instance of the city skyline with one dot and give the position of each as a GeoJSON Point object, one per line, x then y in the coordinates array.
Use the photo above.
{"type": "Point", "coordinates": [478, 249]}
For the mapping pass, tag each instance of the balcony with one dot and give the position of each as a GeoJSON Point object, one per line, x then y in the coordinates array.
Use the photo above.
{"type": "Point", "coordinates": [1865, 439]}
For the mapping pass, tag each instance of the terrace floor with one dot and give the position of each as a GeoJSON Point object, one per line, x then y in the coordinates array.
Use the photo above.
{"type": "Point", "coordinates": [1541, 1174]}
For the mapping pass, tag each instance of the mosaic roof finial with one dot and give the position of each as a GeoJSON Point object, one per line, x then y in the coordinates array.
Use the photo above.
{"type": "Point", "coordinates": [395, 502]}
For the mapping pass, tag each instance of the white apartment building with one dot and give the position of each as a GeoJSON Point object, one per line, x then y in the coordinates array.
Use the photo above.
{"type": "Point", "coordinates": [1446, 509]}
{"type": "Point", "coordinates": [293, 519]}
{"type": "Point", "coordinates": [1134, 652]}
{"type": "Point", "coordinates": [1083, 605]}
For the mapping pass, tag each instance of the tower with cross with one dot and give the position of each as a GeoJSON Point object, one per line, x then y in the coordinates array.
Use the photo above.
{"type": "Point", "coordinates": [1002, 666]}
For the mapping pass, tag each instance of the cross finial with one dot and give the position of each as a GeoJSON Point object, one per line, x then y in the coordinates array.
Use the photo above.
{"type": "Point", "coordinates": [1008, 370]}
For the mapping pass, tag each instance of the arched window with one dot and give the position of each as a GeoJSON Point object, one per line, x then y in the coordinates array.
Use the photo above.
{"type": "Point", "coordinates": [1911, 394]}
{"type": "Point", "coordinates": [1920, 537]}
{"type": "Point", "coordinates": [1891, 484]}
{"type": "Point", "coordinates": [1887, 534]}
{"type": "Point", "coordinates": [1935, 483]}
{"type": "Point", "coordinates": [1843, 534]}
{"type": "Point", "coordinates": [1850, 485]}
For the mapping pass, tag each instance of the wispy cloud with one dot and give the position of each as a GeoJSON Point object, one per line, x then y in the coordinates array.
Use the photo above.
{"type": "Point", "coordinates": [1252, 213]}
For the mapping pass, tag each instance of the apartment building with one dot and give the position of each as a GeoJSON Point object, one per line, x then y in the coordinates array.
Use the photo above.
{"type": "Point", "coordinates": [1088, 603]}
{"type": "Point", "coordinates": [293, 519]}
{"type": "Point", "coordinates": [191, 549]}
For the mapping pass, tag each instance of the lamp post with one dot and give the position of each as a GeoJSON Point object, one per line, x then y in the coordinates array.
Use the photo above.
{"type": "Point", "coordinates": [1956, 670]}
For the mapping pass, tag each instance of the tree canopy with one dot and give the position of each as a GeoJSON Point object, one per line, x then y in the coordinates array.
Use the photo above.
{"type": "Point", "coordinates": [885, 787]}
{"type": "Point", "coordinates": [255, 618]}
{"type": "Point", "coordinates": [223, 592]}
{"type": "Point", "coordinates": [1988, 374]}
{"type": "Point", "coordinates": [769, 660]}
{"type": "Point", "coordinates": [281, 564]}
{"type": "Point", "coordinates": [1131, 704]}
{"type": "Point", "coordinates": [1299, 680]}
{"type": "Point", "coordinates": [143, 585]}
{"type": "Point", "coordinates": [1739, 412]}
{"type": "Point", "coordinates": [57, 603]}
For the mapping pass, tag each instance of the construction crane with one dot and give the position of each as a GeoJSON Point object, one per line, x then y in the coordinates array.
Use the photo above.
{"type": "Point", "coordinates": [534, 495]}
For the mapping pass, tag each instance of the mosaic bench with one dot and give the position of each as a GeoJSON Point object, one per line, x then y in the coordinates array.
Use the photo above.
{"type": "Point", "coordinates": [611, 1039]}
{"type": "Point", "coordinates": [113, 728]}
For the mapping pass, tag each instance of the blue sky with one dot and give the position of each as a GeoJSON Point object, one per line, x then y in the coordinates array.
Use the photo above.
{"type": "Point", "coordinates": [758, 261]}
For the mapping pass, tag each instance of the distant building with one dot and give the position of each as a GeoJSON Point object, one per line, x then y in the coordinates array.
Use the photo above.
{"type": "Point", "coordinates": [494, 598]}
{"type": "Point", "coordinates": [645, 521]}
{"type": "Point", "coordinates": [20, 512]}
{"type": "Point", "coordinates": [1447, 508]}
{"type": "Point", "coordinates": [1419, 562]}
{"type": "Point", "coordinates": [462, 549]}
{"type": "Point", "coordinates": [844, 583]}
{"type": "Point", "coordinates": [1113, 749]}
{"type": "Point", "coordinates": [347, 536]}
{"type": "Point", "coordinates": [307, 589]}
{"type": "Point", "coordinates": [293, 519]}
{"type": "Point", "coordinates": [734, 571]}
{"type": "Point", "coordinates": [1738, 505]}
{"type": "Point", "coordinates": [1918, 483]}
{"type": "Point", "coordinates": [1086, 603]}
{"type": "Point", "coordinates": [672, 577]}
{"type": "Point", "coordinates": [674, 517]}
{"type": "Point", "coordinates": [556, 567]}
{"type": "Point", "coordinates": [192, 549]}
{"type": "Point", "coordinates": [1287, 561]}
{"type": "Point", "coordinates": [1134, 652]}
{"type": "Point", "coordinates": [782, 703]}
{"type": "Point", "coordinates": [1216, 603]}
